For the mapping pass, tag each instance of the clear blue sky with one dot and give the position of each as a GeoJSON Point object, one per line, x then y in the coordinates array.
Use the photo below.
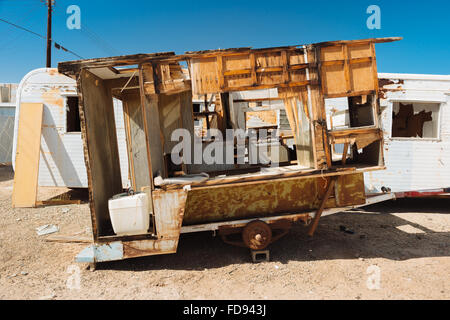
{"type": "Point", "coordinates": [128, 27]}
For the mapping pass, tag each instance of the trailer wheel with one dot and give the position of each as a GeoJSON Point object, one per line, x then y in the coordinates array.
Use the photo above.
{"type": "Point", "coordinates": [257, 235]}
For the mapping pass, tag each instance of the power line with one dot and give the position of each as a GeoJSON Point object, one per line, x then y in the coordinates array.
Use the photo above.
{"type": "Point", "coordinates": [57, 45]}
{"type": "Point", "coordinates": [23, 28]}
{"type": "Point", "coordinates": [103, 44]}
{"type": "Point", "coordinates": [94, 37]}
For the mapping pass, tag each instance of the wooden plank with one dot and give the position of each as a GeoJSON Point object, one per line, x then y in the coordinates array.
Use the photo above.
{"type": "Point", "coordinates": [359, 41]}
{"type": "Point", "coordinates": [220, 72]}
{"type": "Point", "coordinates": [351, 94]}
{"type": "Point", "coordinates": [344, 153]}
{"type": "Point", "coordinates": [69, 238]}
{"type": "Point", "coordinates": [72, 68]}
{"type": "Point", "coordinates": [374, 68]}
{"type": "Point", "coordinates": [347, 69]}
{"type": "Point", "coordinates": [136, 141]}
{"type": "Point", "coordinates": [349, 61]}
{"type": "Point", "coordinates": [315, 222]}
{"type": "Point", "coordinates": [127, 124]}
{"type": "Point", "coordinates": [253, 68]}
{"type": "Point", "coordinates": [285, 62]}
{"type": "Point", "coordinates": [57, 202]}
{"type": "Point", "coordinates": [101, 150]}
{"type": "Point", "coordinates": [27, 155]}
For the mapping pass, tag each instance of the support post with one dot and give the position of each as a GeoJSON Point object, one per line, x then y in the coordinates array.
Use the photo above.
{"type": "Point", "coordinates": [315, 222]}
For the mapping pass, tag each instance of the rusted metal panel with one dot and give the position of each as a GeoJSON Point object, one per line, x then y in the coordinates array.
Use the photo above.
{"type": "Point", "coordinates": [237, 201]}
{"type": "Point", "coordinates": [350, 190]}
{"type": "Point", "coordinates": [140, 248]}
{"type": "Point", "coordinates": [169, 208]}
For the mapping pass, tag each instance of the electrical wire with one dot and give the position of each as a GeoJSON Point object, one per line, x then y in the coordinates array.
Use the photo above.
{"type": "Point", "coordinates": [57, 45]}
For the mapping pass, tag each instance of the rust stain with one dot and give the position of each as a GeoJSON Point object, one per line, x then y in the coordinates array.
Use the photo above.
{"type": "Point", "coordinates": [386, 82]}
{"type": "Point", "coordinates": [53, 97]}
{"type": "Point", "coordinates": [231, 202]}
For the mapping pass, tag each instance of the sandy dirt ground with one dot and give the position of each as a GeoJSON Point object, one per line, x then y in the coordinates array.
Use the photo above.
{"type": "Point", "coordinates": [405, 244]}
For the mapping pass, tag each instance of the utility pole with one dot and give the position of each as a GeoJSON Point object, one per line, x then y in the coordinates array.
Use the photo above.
{"type": "Point", "coordinates": [49, 33]}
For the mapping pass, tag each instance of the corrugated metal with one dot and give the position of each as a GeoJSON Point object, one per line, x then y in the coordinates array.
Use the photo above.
{"type": "Point", "coordinates": [62, 158]}
{"type": "Point", "coordinates": [414, 164]}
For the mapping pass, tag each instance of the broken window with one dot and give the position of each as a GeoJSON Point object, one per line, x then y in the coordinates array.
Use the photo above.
{"type": "Point", "coordinates": [349, 112]}
{"type": "Point", "coordinates": [72, 115]}
{"type": "Point", "coordinates": [415, 120]}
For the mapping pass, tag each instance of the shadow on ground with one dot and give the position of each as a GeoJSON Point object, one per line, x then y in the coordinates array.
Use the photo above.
{"type": "Point", "coordinates": [375, 236]}
{"type": "Point", "coordinates": [6, 173]}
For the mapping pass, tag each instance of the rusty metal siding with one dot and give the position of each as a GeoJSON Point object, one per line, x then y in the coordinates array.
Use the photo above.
{"type": "Point", "coordinates": [271, 197]}
{"type": "Point", "coordinates": [62, 159]}
{"type": "Point", "coordinates": [414, 164]}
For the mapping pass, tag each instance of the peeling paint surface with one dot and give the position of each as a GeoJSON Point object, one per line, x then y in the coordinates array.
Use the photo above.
{"type": "Point", "coordinates": [414, 163]}
{"type": "Point", "coordinates": [62, 162]}
{"type": "Point", "coordinates": [239, 201]}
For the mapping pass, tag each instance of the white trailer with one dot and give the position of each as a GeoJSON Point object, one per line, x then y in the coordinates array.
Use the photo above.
{"type": "Point", "coordinates": [415, 118]}
{"type": "Point", "coordinates": [417, 159]}
{"type": "Point", "coordinates": [62, 161]}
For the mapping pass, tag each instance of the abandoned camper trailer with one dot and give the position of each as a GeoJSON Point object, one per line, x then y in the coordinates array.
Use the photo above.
{"type": "Point", "coordinates": [248, 203]}
{"type": "Point", "coordinates": [415, 118]}
{"type": "Point", "coordinates": [60, 158]}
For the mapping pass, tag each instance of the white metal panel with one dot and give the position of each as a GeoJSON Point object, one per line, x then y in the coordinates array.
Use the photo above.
{"type": "Point", "coordinates": [62, 158]}
{"type": "Point", "coordinates": [414, 164]}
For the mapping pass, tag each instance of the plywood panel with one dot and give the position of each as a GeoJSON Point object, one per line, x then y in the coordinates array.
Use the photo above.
{"type": "Point", "coordinates": [333, 79]}
{"type": "Point", "coordinates": [169, 118]}
{"type": "Point", "coordinates": [155, 136]}
{"type": "Point", "coordinates": [27, 155]}
{"type": "Point", "coordinates": [252, 69]}
{"type": "Point", "coordinates": [102, 158]}
{"type": "Point", "coordinates": [204, 75]}
{"type": "Point", "coordinates": [331, 53]}
{"type": "Point", "coordinates": [362, 77]}
{"type": "Point", "coordinates": [359, 51]}
{"type": "Point", "coordinates": [237, 81]}
{"type": "Point", "coordinates": [348, 69]}
{"type": "Point", "coordinates": [238, 62]}
{"type": "Point", "coordinates": [268, 60]}
{"type": "Point", "coordinates": [137, 145]}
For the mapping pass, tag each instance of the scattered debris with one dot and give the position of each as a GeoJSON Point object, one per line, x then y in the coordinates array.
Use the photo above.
{"type": "Point", "coordinates": [24, 273]}
{"type": "Point", "coordinates": [49, 297]}
{"type": "Point", "coordinates": [46, 229]}
{"type": "Point", "coordinates": [69, 238]}
{"type": "Point", "coordinates": [65, 210]}
{"type": "Point", "coordinates": [344, 229]}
